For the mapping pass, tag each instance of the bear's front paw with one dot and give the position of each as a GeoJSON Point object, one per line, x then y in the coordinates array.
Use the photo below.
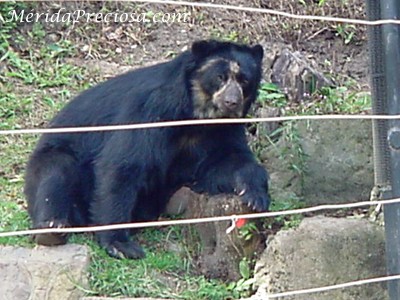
{"type": "Point", "coordinates": [259, 201]}
{"type": "Point", "coordinates": [51, 239]}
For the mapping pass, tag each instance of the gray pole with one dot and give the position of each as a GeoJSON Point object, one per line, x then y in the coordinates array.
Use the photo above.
{"type": "Point", "coordinates": [390, 9]}
{"type": "Point", "coordinates": [384, 48]}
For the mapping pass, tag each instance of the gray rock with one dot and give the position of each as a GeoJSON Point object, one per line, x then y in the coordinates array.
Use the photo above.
{"type": "Point", "coordinates": [293, 72]}
{"type": "Point", "coordinates": [297, 76]}
{"type": "Point", "coordinates": [337, 164]}
{"type": "Point", "coordinates": [324, 251]}
{"type": "Point", "coordinates": [43, 273]}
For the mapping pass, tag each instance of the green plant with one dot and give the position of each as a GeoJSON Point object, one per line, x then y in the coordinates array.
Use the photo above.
{"type": "Point", "coordinates": [12, 217]}
{"type": "Point", "coordinates": [248, 230]}
{"type": "Point", "coordinates": [270, 94]}
{"type": "Point", "coordinates": [336, 100]}
{"type": "Point", "coordinates": [7, 24]}
{"type": "Point", "coordinates": [243, 286]}
{"type": "Point", "coordinates": [294, 149]}
{"type": "Point", "coordinates": [346, 32]}
{"type": "Point", "coordinates": [43, 69]}
{"type": "Point", "coordinates": [326, 100]}
{"type": "Point", "coordinates": [289, 221]}
{"type": "Point", "coordinates": [292, 153]}
{"type": "Point", "coordinates": [230, 36]}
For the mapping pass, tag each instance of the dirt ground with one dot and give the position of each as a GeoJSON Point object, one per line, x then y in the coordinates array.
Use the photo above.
{"type": "Point", "coordinates": [339, 49]}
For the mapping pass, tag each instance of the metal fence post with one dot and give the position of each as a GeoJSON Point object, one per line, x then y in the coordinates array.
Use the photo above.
{"type": "Point", "coordinates": [390, 9]}
{"type": "Point", "coordinates": [384, 46]}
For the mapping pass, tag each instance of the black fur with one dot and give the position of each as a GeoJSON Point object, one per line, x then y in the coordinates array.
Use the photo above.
{"type": "Point", "coordinates": [78, 179]}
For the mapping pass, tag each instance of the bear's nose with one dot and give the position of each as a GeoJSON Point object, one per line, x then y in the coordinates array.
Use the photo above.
{"type": "Point", "coordinates": [231, 103]}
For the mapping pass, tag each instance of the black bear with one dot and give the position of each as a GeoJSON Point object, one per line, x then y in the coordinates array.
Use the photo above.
{"type": "Point", "coordinates": [97, 178]}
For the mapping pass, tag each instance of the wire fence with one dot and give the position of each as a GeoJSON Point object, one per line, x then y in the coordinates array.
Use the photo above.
{"type": "Point", "coordinates": [195, 122]}
{"type": "Point", "coordinates": [200, 220]}
{"type": "Point", "coordinates": [270, 12]}
{"type": "Point", "coordinates": [332, 287]}
{"type": "Point", "coordinates": [261, 11]}
{"type": "Point", "coordinates": [228, 121]}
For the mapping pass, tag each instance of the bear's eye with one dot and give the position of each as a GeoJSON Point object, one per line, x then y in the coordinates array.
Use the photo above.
{"type": "Point", "coordinates": [220, 78]}
{"type": "Point", "coordinates": [243, 80]}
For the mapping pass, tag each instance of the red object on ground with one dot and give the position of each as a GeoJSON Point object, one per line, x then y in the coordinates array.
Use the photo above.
{"type": "Point", "coordinates": [240, 222]}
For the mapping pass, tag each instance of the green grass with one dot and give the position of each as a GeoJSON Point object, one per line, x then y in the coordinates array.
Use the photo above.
{"type": "Point", "coordinates": [346, 99]}
{"type": "Point", "coordinates": [34, 85]}
{"type": "Point", "coordinates": [13, 215]}
{"type": "Point", "coordinates": [163, 273]}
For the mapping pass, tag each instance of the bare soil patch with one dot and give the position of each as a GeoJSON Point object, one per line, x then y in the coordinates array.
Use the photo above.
{"type": "Point", "coordinates": [339, 49]}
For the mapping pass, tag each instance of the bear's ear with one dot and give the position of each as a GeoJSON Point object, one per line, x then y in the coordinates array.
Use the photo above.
{"type": "Point", "coordinates": [257, 52]}
{"type": "Point", "coordinates": [203, 48]}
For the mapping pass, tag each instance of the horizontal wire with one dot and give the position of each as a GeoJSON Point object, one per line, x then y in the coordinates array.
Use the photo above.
{"type": "Point", "coordinates": [199, 220]}
{"type": "Point", "coordinates": [258, 10]}
{"type": "Point", "coordinates": [228, 121]}
{"type": "Point", "coordinates": [334, 287]}
{"type": "Point", "coordinates": [195, 122]}
{"type": "Point", "coordinates": [269, 11]}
